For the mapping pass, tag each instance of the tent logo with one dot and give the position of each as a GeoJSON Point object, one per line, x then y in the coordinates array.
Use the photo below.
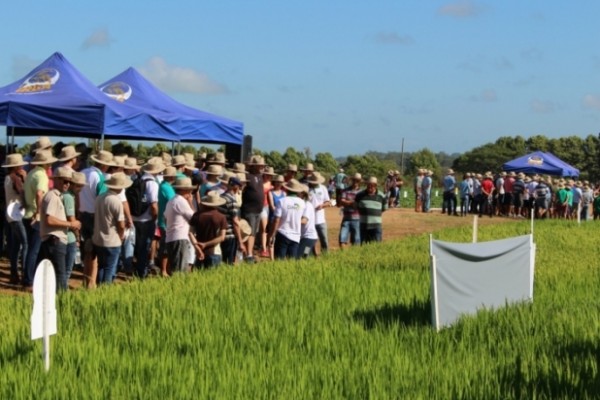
{"type": "Point", "coordinates": [119, 91]}
{"type": "Point", "coordinates": [41, 81]}
{"type": "Point", "coordinates": [535, 160]}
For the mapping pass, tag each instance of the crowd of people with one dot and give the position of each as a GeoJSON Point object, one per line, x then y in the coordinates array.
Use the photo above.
{"type": "Point", "coordinates": [109, 213]}
{"type": "Point", "coordinates": [510, 194]}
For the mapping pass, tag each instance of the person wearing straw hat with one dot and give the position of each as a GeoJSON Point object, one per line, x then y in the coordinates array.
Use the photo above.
{"type": "Point", "coordinates": [307, 171]}
{"type": "Point", "coordinates": [95, 176]}
{"type": "Point", "coordinates": [290, 214]}
{"type": "Point", "coordinates": [109, 223]}
{"type": "Point", "coordinates": [350, 225]}
{"type": "Point", "coordinates": [290, 172]}
{"type": "Point", "coordinates": [542, 198]}
{"type": "Point", "coordinates": [145, 220]}
{"type": "Point", "coordinates": [340, 180]}
{"type": "Point", "coordinates": [449, 185]}
{"type": "Point", "coordinates": [13, 193]}
{"type": "Point", "coordinates": [587, 198]}
{"type": "Point", "coordinates": [54, 226]}
{"type": "Point", "coordinates": [165, 193]}
{"type": "Point", "coordinates": [319, 197]}
{"type": "Point", "coordinates": [210, 227]}
{"type": "Point", "coordinates": [213, 172]}
{"type": "Point", "coordinates": [35, 187]}
{"type": "Point", "coordinates": [487, 195]}
{"type": "Point", "coordinates": [308, 230]}
{"type": "Point", "coordinates": [179, 162]}
{"type": "Point", "coordinates": [233, 238]}
{"type": "Point", "coordinates": [178, 214]}
{"type": "Point", "coordinates": [426, 183]}
{"type": "Point", "coordinates": [371, 204]}
{"type": "Point", "coordinates": [253, 199]}
{"type": "Point", "coordinates": [73, 236]}
{"type": "Point", "coordinates": [417, 187]}
{"type": "Point", "coordinates": [68, 158]}
{"type": "Point", "coordinates": [268, 174]}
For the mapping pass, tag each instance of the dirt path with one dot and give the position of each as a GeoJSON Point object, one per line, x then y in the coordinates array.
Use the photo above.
{"type": "Point", "coordinates": [397, 222]}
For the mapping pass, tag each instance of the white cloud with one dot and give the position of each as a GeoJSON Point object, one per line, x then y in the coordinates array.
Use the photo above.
{"type": "Point", "coordinates": [98, 38]}
{"type": "Point", "coordinates": [393, 38]}
{"type": "Point", "coordinates": [179, 79]}
{"type": "Point", "coordinates": [486, 96]}
{"type": "Point", "coordinates": [461, 9]}
{"type": "Point", "coordinates": [542, 107]}
{"type": "Point", "coordinates": [591, 101]}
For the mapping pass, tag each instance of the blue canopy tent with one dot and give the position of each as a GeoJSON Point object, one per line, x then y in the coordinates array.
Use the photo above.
{"type": "Point", "coordinates": [187, 123]}
{"type": "Point", "coordinates": [57, 99]}
{"type": "Point", "coordinates": [539, 162]}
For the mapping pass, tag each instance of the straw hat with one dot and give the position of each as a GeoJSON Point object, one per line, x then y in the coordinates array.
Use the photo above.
{"type": "Point", "coordinates": [154, 165]}
{"type": "Point", "coordinates": [62, 173]}
{"type": "Point", "coordinates": [78, 178]}
{"type": "Point", "coordinates": [512, 173]}
{"type": "Point", "coordinates": [118, 180]}
{"type": "Point", "coordinates": [188, 157]}
{"type": "Point", "coordinates": [68, 153]}
{"type": "Point", "coordinates": [309, 167]}
{"type": "Point", "coordinates": [218, 158]}
{"type": "Point", "coordinates": [201, 156]}
{"type": "Point", "coordinates": [131, 163]}
{"type": "Point", "coordinates": [315, 179]}
{"type": "Point", "coordinates": [226, 176]}
{"type": "Point", "coordinates": [450, 171]}
{"type": "Point", "coordinates": [43, 157]}
{"type": "Point", "coordinates": [245, 229]}
{"type": "Point", "coordinates": [429, 172]}
{"type": "Point", "coordinates": [294, 186]}
{"type": "Point", "coordinates": [42, 143]}
{"type": "Point", "coordinates": [178, 160]}
{"type": "Point", "coordinates": [170, 172]}
{"type": "Point", "coordinates": [190, 165]}
{"type": "Point", "coordinates": [213, 199]}
{"type": "Point", "coordinates": [238, 167]}
{"type": "Point", "coordinates": [214, 169]}
{"type": "Point", "coordinates": [119, 161]}
{"type": "Point", "coordinates": [372, 180]}
{"type": "Point", "coordinates": [269, 171]}
{"type": "Point", "coordinates": [256, 160]}
{"type": "Point", "coordinates": [242, 177]}
{"type": "Point", "coordinates": [521, 175]}
{"type": "Point", "coordinates": [183, 184]}
{"type": "Point", "coordinates": [292, 168]}
{"type": "Point", "coordinates": [503, 174]}
{"type": "Point", "coordinates": [166, 158]}
{"type": "Point", "coordinates": [277, 179]}
{"type": "Point", "coordinates": [103, 157]}
{"type": "Point", "coordinates": [14, 160]}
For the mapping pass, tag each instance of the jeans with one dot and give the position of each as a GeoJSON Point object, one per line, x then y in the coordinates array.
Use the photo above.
{"type": "Point", "coordinates": [70, 261]}
{"type": "Point", "coordinates": [368, 235]}
{"type": "Point", "coordinates": [464, 205]}
{"type": "Point", "coordinates": [18, 245]}
{"type": "Point", "coordinates": [449, 202]}
{"type": "Point", "coordinates": [56, 251]}
{"type": "Point", "coordinates": [144, 232]}
{"type": "Point", "coordinates": [34, 242]}
{"type": "Point", "coordinates": [350, 231]}
{"type": "Point", "coordinates": [306, 247]}
{"type": "Point", "coordinates": [108, 259]}
{"type": "Point", "coordinates": [426, 200]}
{"type": "Point", "coordinates": [284, 247]}
{"type": "Point", "coordinates": [322, 233]}
{"type": "Point", "coordinates": [213, 260]}
{"type": "Point", "coordinates": [229, 249]}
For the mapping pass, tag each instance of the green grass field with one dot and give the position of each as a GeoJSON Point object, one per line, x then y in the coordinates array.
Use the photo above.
{"type": "Point", "coordinates": [354, 324]}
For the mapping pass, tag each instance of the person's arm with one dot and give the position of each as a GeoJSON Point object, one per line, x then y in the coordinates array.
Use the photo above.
{"type": "Point", "coordinates": [127, 212]}
{"type": "Point", "coordinates": [196, 246]}
{"type": "Point", "coordinates": [214, 241]}
{"type": "Point", "coordinates": [238, 234]}
{"type": "Point", "coordinates": [121, 230]}
{"type": "Point", "coordinates": [154, 210]}
{"type": "Point", "coordinates": [54, 222]}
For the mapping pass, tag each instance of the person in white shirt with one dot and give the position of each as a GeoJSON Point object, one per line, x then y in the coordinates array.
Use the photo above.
{"type": "Point", "coordinates": [178, 213]}
{"type": "Point", "coordinates": [309, 236]}
{"type": "Point", "coordinates": [290, 213]}
{"type": "Point", "coordinates": [319, 197]}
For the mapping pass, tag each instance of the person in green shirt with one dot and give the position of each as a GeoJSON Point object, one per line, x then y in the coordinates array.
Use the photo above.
{"type": "Point", "coordinates": [165, 193]}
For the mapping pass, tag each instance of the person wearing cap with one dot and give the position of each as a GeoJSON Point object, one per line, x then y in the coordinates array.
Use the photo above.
{"type": "Point", "coordinates": [449, 185]}
{"type": "Point", "coordinates": [231, 209]}
{"type": "Point", "coordinates": [253, 199]}
{"type": "Point", "coordinates": [290, 172]}
{"type": "Point", "coordinates": [417, 186]}
{"type": "Point", "coordinates": [290, 214]}
{"type": "Point", "coordinates": [109, 223]}
{"type": "Point", "coordinates": [145, 224]}
{"type": "Point", "coordinates": [210, 228]}
{"type": "Point", "coordinates": [350, 226]}
{"type": "Point", "coordinates": [319, 197]}
{"type": "Point", "coordinates": [35, 187]}
{"type": "Point", "coordinates": [14, 197]}
{"type": "Point", "coordinates": [54, 227]}
{"type": "Point", "coordinates": [165, 193]}
{"type": "Point", "coordinates": [426, 183]}
{"type": "Point", "coordinates": [371, 204]}
{"type": "Point", "coordinates": [341, 181]}
{"type": "Point", "coordinates": [95, 176]}
{"type": "Point", "coordinates": [178, 214]}
{"type": "Point", "coordinates": [73, 236]}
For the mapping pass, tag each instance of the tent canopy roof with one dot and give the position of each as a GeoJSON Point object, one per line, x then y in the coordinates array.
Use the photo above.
{"type": "Point", "coordinates": [539, 162]}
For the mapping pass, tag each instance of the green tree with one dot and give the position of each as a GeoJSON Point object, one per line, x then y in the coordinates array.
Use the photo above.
{"type": "Point", "coordinates": [424, 158]}
{"type": "Point", "coordinates": [275, 160]}
{"type": "Point", "coordinates": [141, 152]}
{"type": "Point", "coordinates": [326, 164]}
{"type": "Point", "coordinates": [292, 156]}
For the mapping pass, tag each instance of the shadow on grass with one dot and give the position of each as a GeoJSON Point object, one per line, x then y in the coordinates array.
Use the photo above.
{"type": "Point", "coordinates": [572, 373]}
{"type": "Point", "coordinates": [415, 314]}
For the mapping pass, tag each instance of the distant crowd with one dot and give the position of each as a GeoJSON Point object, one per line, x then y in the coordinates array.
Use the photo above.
{"type": "Point", "coordinates": [111, 212]}
{"type": "Point", "coordinates": [510, 194]}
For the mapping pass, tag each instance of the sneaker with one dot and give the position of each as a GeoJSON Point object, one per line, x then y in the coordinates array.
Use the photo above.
{"type": "Point", "coordinates": [250, 260]}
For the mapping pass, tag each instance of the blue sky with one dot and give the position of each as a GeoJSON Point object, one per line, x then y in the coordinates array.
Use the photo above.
{"type": "Point", "coordinates": [339, 76]}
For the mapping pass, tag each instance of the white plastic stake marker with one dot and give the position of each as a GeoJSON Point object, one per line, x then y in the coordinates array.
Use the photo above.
{"type": "Point", "coordinates": [43, 317]}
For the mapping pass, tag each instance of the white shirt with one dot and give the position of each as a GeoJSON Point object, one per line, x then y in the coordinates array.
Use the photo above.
{"type": "Point", "coordinates": [178, 214]}
{"type": "Point", "coordinates": [308, 229]}
{"type": "Point", "coordinates": [151, 196]}
{"type": "Point", "coordinates": [318, 196]}
{"type": "Point", "coordinates": [87, 195]}
{"type": "Point", "coordinates": [290, 210]}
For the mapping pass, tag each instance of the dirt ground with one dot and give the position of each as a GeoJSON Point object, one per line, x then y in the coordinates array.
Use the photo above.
{"type": "Point", "coordinates": [397, 223]}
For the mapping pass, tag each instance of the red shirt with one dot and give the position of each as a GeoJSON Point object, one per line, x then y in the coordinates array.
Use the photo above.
{"type": "Point", "coordinates": [487, 186]}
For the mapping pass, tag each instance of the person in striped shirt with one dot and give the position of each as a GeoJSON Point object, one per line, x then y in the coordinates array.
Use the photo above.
{"type": "Point", "coordinates": [371, 203]}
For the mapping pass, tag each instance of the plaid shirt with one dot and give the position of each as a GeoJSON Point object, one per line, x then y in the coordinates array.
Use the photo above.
{"type": "Point", "coordinates": [230, 209]}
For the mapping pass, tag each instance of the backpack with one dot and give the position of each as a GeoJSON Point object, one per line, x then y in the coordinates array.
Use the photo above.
{"type": "Point", "coordinates": [136, 196]}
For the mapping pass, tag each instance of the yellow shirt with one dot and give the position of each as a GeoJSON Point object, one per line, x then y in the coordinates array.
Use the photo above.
{"type": "Point", "coordinates": [36, 179]}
